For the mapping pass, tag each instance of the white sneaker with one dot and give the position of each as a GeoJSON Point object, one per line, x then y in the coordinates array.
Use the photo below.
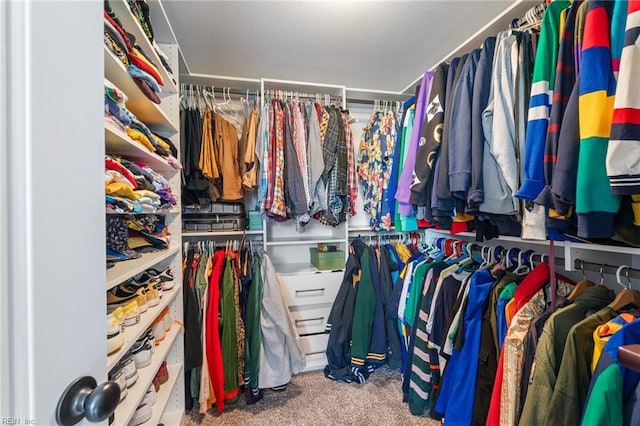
{"type": "Point", "coordinates": [141, 351]}
{"type": "Point", "coordinates": [142, 415]}
{"type": "Point", "coordinates": [117, 375]}
{"type": "Point", "coordinates": [129, 369]}
{"type": "Point", "coordinates": [115, 340]}
{"type": "Point", "coordinates": [150, 397]}
{"type": "Point", "coordinates": [131, 314]}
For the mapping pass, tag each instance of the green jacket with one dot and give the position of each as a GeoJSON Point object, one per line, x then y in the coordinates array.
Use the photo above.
{"type": "Point", "coordinates": [605, 403]}
{"type": "Point", "coordinates": [551, 349]}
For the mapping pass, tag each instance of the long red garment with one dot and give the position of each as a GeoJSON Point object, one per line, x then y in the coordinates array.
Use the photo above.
{"type": "Point", "coordinates": [214, 350]}
{"type": "Point", "coordinates": [525, 291]}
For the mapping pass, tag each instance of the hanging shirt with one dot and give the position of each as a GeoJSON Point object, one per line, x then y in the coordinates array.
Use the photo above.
{"type": "Point", "coordinates": [278, 206]}
{"type": "Point", "coordinates": [505, 296]}
{"type": "Point", "coordinates": [596, 205]}
{"type": "Point", "coordinates": [315, 161]}
{"type": "Point", "coordinates": [262, 155]}
{"type": "Point", "coordinates": [403, 192]}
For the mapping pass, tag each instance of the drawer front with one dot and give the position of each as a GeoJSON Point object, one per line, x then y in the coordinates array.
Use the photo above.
{"type": "Point", "coordinates": [315, 362]}
{"type": "Point", "coordinates": [314, 345]}
{"type": "Point", "coordinates": [310, 289]}
{"type": "Point", "coordinates": [310, 320]}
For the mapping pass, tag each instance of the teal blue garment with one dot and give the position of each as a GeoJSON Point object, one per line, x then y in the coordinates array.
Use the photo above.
{"type": "Point", "coordinates": [405, 223]}
{"type": "Point", "coordinates": [505, 296]}
{"type": "Point", "coordinates": [395, 169]}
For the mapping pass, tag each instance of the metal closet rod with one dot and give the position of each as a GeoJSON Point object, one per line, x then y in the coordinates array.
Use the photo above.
{"type": "Point", "coordinates": [222, 89]}
{"type": "Point", "coordinates": [252, 92]}
{"type": "Point", "coordinates": [579, 264]}
{"type": "Point", "coordinates": [301, 94]}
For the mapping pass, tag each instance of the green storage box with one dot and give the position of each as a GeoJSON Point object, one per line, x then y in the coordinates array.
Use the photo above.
{"type": "Point", "coordinates": [330, 260]}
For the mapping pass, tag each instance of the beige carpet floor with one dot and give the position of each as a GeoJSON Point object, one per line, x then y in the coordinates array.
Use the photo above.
{"type": "Point", "coordinates": [311, 399]}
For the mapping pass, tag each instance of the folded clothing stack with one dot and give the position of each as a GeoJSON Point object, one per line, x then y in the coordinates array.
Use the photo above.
{"type": "Point", "coordinates": [115, 109]}
{"type": "Point", "coordinates": [133, 187]}
{"type": "Point", "coordinates": [129, 236]}
{"type": "Point", "coordinates": [141, 68]}
{"type": "Point", "coordinates": [140, 10]}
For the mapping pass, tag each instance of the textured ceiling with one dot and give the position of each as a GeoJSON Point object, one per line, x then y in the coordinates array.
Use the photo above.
{"type": "Point", "coordinates": [371, 45]}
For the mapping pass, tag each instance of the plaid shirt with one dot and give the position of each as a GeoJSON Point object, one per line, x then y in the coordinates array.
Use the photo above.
{"type": "Point", "coordinates": [278, 208]}
{"type": "Point", "coordinates": [330, 142]}
{"type": "Point", "coordinates": [342, 159]}
{"type": "Point", "coordinates": [294, 183]}
{"type": "Point", "coordinates": [270, 158]}
{"type": "Point", "coordinates": [300, 143]}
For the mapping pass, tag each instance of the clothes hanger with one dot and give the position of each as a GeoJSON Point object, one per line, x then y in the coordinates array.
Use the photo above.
{"type": "Point", "coordinates": [524, 266]}
{"type": "Point", "coordinates": [626, 297]}
{"type": "Point", "coordinates": [580, 286]}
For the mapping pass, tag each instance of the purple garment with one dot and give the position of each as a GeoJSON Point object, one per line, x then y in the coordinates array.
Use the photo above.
{"type": "Point", "coordinates": [404, 184]}
{"type": "Point", "coordinates": [166, 195]}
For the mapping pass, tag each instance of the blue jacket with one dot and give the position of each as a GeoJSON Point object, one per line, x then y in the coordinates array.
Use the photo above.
{"type": "Point", "coordinates": [481, 89]}
{"type": "Point", "coordinates": [460, 130]}
{"type": "Point", "coordinates": [457, 395]}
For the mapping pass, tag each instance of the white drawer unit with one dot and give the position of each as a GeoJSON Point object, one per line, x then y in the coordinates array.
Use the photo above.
{"type": "Point", "coordinates": [310, 319]}
{"type": "Point", "coordinates": [310, 289]}
{"type": "Point", "coordinates": [309, 297]}
{"type": "Point", "coordinates": [314, 348]}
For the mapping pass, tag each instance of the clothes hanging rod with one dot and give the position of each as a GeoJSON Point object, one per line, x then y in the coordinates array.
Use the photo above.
{"type": "Point", "coordinates": [369, 101]}
{"type": "Point", "coordinates": [579, 265]}
{"type": "Point", "coordinates": [289, 93]}
{"type": "Point", "coordinates": [217, 89]}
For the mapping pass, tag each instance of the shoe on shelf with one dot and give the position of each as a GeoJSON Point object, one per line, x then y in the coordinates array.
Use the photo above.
{"type": "Point", "coordinates": [118, 314]}
{"type": "Point", "coordinates": [166, 318]}
{"type": "Point", "coordinates": [151, 339]}
{"type": "Point", "coordinates": [156, 383]}
{"type": "Point", "coordinates": [131, 314]}
{"type": "Point", "coordinates": [163, 373]}
{"type": "Point", "coordinates": [122, 294]}
{"type": "Point", "coordinates": [153, 295]}
{"type": "Point", "coordinates": [117, 375]}
{"type": "Point", "coordinates": [115, 340]}
{"type": "Point", "coordinates": [150, 397]}
{"type": "Point", "coordinates": [129, 369]}
{"type": "Point", "coordinates": [141, 415]}
{"type": "Point", "coordinates": [151, 291]}
{"type": "Point", "coordinates": [144, 278]}
{"type": "Point", "coordinates": [157, 326]}
{"type": "Point", "coordinates": [141, 351]}
{"type": "Point", "coordinates": [165, 276]}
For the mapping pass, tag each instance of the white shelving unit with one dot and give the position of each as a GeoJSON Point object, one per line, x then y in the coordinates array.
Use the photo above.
{"type": "Point", "coordinates": [289, 251]}
{"type": "Point", "coordinates": [131, 334]}
{"type": "Point", "coordinates": [125, 410]}
{"type": "Point", "coordinates": [148, 112]}
{"type": "Point", "coordinates": [132, 25]}
{"type": "Point", "coordinates": [162, 119]}
{"type": "Point", "coordinates": [300, 242]}
{"type": "Point", "coordinates": [298, 269]}
{"type": "Point", "coordinates": [164, 394]}
{"type": "Point", "coordinates": [173, 418]}
{"type": "Point", "coordinates": [122, 271]}
{"type": "Point", "coordinates": [118, 142]}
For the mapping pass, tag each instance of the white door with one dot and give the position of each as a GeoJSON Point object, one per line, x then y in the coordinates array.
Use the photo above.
{"type": "Point", "coordinates": [52, 254]}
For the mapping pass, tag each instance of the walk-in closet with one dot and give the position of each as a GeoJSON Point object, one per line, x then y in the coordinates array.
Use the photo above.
{"type": "Point", "coordinates": [320, 212]}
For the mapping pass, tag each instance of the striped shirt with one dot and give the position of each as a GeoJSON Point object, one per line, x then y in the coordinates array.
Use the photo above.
{"type": "Point", "coordinates": [623, 153]}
